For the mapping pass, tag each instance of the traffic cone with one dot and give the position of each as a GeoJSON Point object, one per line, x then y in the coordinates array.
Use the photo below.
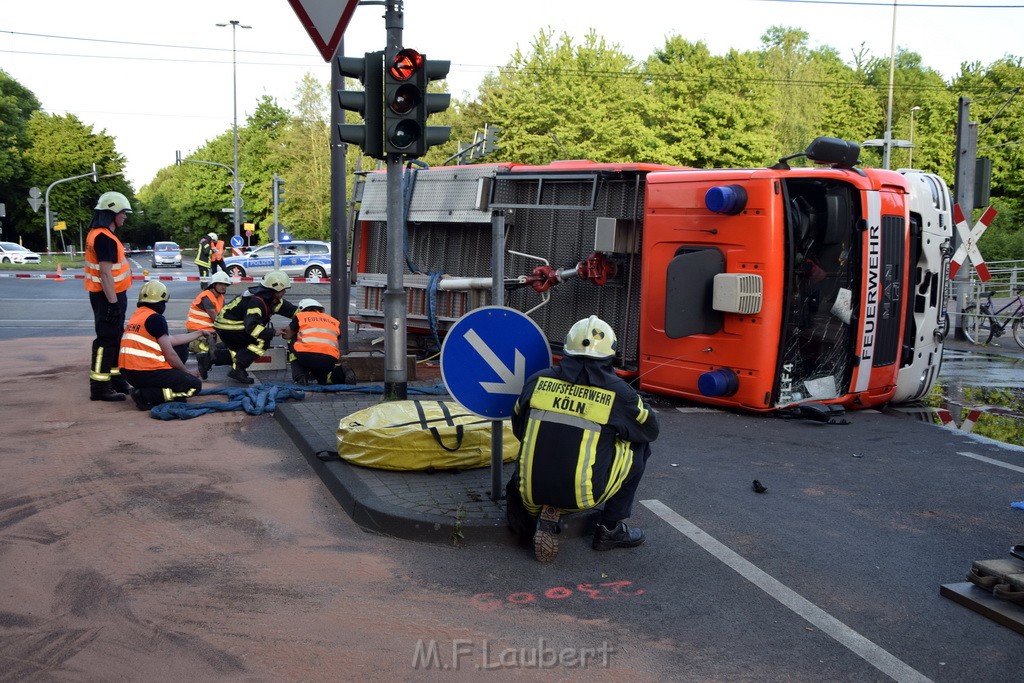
{"type": "Point", "coordinates": [60, 274]}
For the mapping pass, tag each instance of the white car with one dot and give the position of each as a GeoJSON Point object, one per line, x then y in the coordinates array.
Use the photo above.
{"type": "Point", "coordinates": [15, 253]}
{"type": "Point", "coordinates": [298, 258]}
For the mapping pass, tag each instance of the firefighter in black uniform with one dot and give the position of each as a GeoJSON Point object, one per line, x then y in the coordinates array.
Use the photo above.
{"type": "Point", "coordinates": [585, 437]}
{"type": "Point", "coordinates": [244, 324]}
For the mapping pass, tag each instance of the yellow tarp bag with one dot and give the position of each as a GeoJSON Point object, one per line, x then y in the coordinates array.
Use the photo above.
{"type": "Point", "coordinates": [420, 435]}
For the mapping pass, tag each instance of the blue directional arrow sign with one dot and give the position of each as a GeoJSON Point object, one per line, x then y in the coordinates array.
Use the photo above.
{"type": "Point", "coordinates": [487, 356]}
{"type": "Point", "coordinates": [236, 241]}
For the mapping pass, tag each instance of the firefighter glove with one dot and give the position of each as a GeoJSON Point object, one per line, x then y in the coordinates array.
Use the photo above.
{"type": "Point", "coordinates": [113, 313]}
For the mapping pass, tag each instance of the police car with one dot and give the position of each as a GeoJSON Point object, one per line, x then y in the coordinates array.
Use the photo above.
{"type": "Point", "coordinates": [308, 259]}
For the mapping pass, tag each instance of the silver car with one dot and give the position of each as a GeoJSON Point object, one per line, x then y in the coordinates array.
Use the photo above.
{"type": "Point", "coordinates": [304, 258]}
{"type": "Point", "coordinates": [166, 254]}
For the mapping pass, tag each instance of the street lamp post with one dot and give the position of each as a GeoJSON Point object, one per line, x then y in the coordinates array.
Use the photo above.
{"type": "Point", "coordinates": [236, 185]}
{"type": "Point", "coordinates": [910, 163]}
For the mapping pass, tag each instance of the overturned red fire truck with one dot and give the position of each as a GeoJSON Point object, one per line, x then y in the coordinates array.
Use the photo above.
{"type": "Point", "coordinates": [757, 289]}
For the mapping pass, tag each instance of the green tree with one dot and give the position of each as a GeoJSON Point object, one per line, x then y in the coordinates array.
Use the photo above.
{"type": "Point", "coordinates": [63, 147]}
{"type": "Point", "coordinates": [304, 152]}
{"type": "Point", "coordinates": [17, 105]}
{"type": "Point", "coordinates": [563, 101]}
{"type": "Point", "coordinates": [712, 111]}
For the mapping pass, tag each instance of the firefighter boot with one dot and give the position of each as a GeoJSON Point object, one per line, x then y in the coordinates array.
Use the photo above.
{"type": "Point", "coordinates": [104, 391]}
{"type": "Point", "coordinates": [119, 384]}
{"type": "Point", "coordinates": [140, 402]}
{"type": "Point", "coordinates": [545, 538]}
{"type": "Point", "coordinates": [240, 375]}
{"type": "Point", "coordinates": [620, 536]}
{"type": "Point", "coordinates": [205, 361]}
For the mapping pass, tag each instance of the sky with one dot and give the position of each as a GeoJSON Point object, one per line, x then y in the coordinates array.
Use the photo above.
{"type": "Point", "coordinates": [158, 76]}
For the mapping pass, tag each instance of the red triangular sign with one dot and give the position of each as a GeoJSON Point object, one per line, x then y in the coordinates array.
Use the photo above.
{"type": "Point", "coordinates": [325, 21]}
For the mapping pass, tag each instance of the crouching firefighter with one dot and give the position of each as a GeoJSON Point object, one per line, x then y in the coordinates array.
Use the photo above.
{"type": "Point", "coordinates": [585, 437]}
{"type": "Point", "coordinates": [313, 346]}
{"type": "Point", "coordinates": [148, 358]}
{"type": "Point", "coordinates": [201, 316]}
{"type": "Point", "coordinates": [244, 324]}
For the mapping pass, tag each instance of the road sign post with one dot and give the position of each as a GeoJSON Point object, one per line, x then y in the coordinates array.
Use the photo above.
{"type": "Point", "coordinates": [485, 360]}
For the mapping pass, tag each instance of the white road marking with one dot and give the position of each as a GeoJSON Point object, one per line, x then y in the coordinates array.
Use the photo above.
{"type": "Point", "coordinates": [990, 461]}
{"type": "Point", "coordinates": [873, 654]}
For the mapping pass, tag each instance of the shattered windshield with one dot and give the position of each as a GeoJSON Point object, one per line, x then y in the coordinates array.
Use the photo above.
{"type": "Point", "coordinates": [817, 336]}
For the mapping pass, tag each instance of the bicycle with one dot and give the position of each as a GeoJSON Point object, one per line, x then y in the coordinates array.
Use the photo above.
{"type": "Point", "coordinates": [980, 325]}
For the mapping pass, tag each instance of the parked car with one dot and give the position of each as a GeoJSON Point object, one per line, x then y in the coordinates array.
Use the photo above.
{"type": "Point", "coordinates": [304, 258]}
{"type": "Point", "coordinates": [166, 254]}
{"type": "Point", "coordinates": [11, 252]}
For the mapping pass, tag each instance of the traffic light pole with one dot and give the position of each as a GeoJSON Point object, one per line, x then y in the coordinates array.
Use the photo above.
{"type": "Point", "coordinates": [339, 219]}
{"type": "Point", "coordinates": [395, 307]}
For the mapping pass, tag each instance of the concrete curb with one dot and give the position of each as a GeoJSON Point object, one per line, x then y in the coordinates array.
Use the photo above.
{"type": "Point", "coordinates": [368, 509]}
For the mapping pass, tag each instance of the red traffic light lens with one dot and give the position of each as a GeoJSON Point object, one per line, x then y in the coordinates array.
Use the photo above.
{"type": "Point", "coordinates": [405, 64]}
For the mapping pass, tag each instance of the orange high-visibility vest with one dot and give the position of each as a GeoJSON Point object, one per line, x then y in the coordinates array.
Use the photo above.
{"type": "Point", "coordinates": [318, 333]}
{"type": "Point", "coordinates": [198, 318]}
{"type": "Point", "coordinates": [139, 349]}
{"type": "Point", "coordinates": [122, 270]}
{"type": "Point", "coordinates": [217, 251]}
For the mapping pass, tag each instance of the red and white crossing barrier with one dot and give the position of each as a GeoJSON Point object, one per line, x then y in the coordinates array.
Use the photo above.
{"type": "Point", "coordinates": [164, 278]}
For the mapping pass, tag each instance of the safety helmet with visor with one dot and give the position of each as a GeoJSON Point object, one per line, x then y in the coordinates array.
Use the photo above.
{"type": "Point", "coordinates": [276, 280]}
{"type": "Point", "coordinates": [113, 201]}
{"type": "Point", "coordinates": [591, 338]}
{"type": "Point", "coordinates": [153, 292]}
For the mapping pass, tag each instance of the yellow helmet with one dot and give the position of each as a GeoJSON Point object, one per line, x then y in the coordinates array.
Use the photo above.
{"type": "Point", "coordinates": [220, 277]}
{"type": "Point", "coordinates": [590, 337]}
{"type": "Point", "coordinates": [276, 280]}
{"type": "Point", "coordinates": [113, 201]}
{"type": "Point", "coordinates": [153, 292]}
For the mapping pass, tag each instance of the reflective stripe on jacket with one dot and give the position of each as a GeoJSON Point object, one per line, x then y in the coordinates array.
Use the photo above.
{"type": "Point", "coordinates": [122, 270]}
{"type": "Point", "coordinates": [198, 318]}
{"type": "Point", "coordinates": [244, 307]}
{"type": "Point", "coordinates": [318, 333]}
{"type": "Point", "coordinates": [203, 255]}
{"type": "Point", "coordinates": [139, 349]}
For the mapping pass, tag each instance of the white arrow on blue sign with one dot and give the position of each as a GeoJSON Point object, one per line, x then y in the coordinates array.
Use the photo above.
{"type": "Point", "coordinates": [236, 241]}
{"type": "Point", "coordinates": [487, 356]}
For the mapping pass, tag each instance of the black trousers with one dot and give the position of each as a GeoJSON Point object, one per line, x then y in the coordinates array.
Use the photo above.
{"type": "Point", "coordinates": [161, 386]}
{"type": "Point", "coordinates": [244, 348]}
{"type": "Point", "coordinates": [107, 344]}
{"type": "Point", "coordinates": [217, 265]}
{"type": "Point", "coordinates": [320, 365]}
{"type": "Point", "coordinates": [617, 508]}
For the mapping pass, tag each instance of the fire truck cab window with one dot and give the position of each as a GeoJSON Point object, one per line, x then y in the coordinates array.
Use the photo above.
{"type": "Point", "coordinates": [818, 341]}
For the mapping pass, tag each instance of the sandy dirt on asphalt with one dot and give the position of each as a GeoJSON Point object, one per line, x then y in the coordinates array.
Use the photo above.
{"type": "Point", "coordinates": [137, 549]}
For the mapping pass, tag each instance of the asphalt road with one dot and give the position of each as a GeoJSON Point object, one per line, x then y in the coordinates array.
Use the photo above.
{"type": "Point", "coordinates": [832, 574]}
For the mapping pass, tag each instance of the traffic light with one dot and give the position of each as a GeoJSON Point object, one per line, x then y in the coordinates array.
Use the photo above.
{"type": "Point", "coordinates": [407, 104]}
{"type": "Point", "coordinates": [369, 69]}
{"type": "Point", "coordinates": [490, 138]}
{"type": "Point", "coordinates": [278, 189]}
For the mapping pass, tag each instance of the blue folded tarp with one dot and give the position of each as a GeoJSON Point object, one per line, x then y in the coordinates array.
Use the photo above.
{"type": "Point", "coordinates": [263, 398]}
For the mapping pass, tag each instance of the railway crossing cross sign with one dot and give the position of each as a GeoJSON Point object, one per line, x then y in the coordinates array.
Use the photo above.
{"type": "Point", "coordinates": [487, 356]}
{"type": "Point", "coordinates": [969, 242]}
